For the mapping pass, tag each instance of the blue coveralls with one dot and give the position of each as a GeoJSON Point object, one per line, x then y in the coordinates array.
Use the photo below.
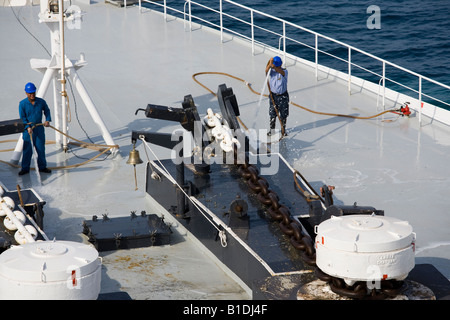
{"type": "Point", "coordinates": [32, 115]}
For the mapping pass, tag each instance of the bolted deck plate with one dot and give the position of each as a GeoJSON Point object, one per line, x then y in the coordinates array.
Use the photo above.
{"type": "Point", "coordinates": [134, 231]}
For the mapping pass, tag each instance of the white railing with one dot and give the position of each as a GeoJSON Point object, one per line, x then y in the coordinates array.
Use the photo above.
{"type": "Point", "coordinates": [283, 36]}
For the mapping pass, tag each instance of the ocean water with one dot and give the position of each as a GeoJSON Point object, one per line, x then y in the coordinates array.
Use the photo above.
{"type": "Point", "coordinates": [414, 34]}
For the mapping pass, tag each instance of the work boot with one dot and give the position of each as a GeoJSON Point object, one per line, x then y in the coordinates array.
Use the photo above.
{"type": "Point", "coordinates": [272, 126]}
{"type": "Point", "coordinates": [283, 123]}
{"type": "Point", "coordinates": [22, 172]}
{"type": "Point", "coordinates": [45, 170]}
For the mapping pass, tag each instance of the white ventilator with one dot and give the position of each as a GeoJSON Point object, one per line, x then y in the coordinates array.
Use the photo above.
{"type": "Point", "coordinates": [33, 270]}
{"type": "Point", "coordinates": [365, 248]}
{"type": "Point", "coordinates": [50, 270]}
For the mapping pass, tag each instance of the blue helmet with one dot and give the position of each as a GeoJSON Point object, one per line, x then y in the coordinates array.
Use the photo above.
{"type": "Point", "coordinates": [30, 87]}
{"type": "Point", "coordinates": [277, 61]}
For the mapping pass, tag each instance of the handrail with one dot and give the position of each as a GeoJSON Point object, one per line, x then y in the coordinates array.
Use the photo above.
{"type": "Point", "coordinates": [283, 37]}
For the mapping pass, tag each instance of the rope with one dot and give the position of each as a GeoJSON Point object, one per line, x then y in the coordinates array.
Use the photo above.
{"type": "Point", "coordinates": [29, 217]}
{"type": "Point", "coordinates": [215, 95]}
{"type": "Point", "coordinates": [222, 234]}
{"type": "Point", "coordinates": [303, 191]}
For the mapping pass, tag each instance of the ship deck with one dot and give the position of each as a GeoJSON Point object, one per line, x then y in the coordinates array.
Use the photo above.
{"type": "Point", "coordinates": [391, 163]}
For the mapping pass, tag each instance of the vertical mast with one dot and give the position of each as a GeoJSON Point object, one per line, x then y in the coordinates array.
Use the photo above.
{"type": "Point", "coordinates": [52, 13]}
{"type": "Point", "coordinates": [63, 77]}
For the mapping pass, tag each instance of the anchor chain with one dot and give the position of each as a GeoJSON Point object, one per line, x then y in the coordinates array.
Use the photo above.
{"type": "Point", "coordinates": [300, 240]}
{"type": "Point", "coordinates": [279, 212]}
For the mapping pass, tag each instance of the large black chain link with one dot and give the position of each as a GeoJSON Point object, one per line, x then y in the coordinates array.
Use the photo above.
{"type": "Point", "coordinates": [302, 241]}
{"type": "Point", "coordinates": [279, 212]}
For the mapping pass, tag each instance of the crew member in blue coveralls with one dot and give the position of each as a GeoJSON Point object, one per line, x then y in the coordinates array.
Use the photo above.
{"type": "Point", "coordinates": [30, 111]}
{"type": "Point", "coordinates": [278, 80]}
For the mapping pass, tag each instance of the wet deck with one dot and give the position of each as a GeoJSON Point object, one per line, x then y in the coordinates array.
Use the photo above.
{"type": "Point", "coordinates": [133, 59]}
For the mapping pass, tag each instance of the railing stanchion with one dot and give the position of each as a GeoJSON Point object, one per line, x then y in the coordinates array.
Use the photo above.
{"type": "Point", "coordinates": [349, 70]}
{"type": "Point", "coordinates": [253, 32]}
{"type": "Point", "coordinates": [384, 85]}
{"type": "Point", "coordinates": [221, 21]}
{"type": "Point", "coordinates": [420, 100]}
{"type": "Point", "coordinates": [190, 16]}
{"type": "Point", "coordinates": [165, 11]}
{"type": "Point", "coordinates": [316, 49]}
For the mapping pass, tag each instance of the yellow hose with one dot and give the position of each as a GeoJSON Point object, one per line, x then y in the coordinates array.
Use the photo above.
{"type": "Point", "coordinates": [101, 147]}
{"type": "Point", "coordinates": [293, 103]}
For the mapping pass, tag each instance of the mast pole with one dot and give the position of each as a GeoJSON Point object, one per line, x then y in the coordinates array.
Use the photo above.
{"type": "Point", "coordinates": [63, 76]}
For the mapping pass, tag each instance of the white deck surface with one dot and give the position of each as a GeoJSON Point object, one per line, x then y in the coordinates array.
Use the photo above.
{"type": "Point", "coordinates": [135, 59]}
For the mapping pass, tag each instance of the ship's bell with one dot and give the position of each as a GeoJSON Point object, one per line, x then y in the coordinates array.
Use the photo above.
{"type": "Point", "coordinates": [134, 157]}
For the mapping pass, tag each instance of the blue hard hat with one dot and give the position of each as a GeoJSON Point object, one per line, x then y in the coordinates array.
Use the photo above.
{"type": "Point", "coordinates": [30, 87]}
{"type": "Point", "coordinates": [277, 61]}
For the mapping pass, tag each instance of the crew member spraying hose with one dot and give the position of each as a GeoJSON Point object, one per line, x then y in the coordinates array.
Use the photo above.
{"type": "Point", "coordinates": [279, 97]}
{"type": "Point", "coordinates": [30, 111]}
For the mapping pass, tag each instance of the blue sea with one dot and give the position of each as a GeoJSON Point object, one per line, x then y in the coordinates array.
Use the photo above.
{"type": "Point", "coordinates": [414, 34]}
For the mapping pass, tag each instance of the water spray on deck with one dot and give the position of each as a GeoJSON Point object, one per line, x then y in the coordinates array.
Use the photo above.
{"type": "Point", "coordinates": [38, 175]}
